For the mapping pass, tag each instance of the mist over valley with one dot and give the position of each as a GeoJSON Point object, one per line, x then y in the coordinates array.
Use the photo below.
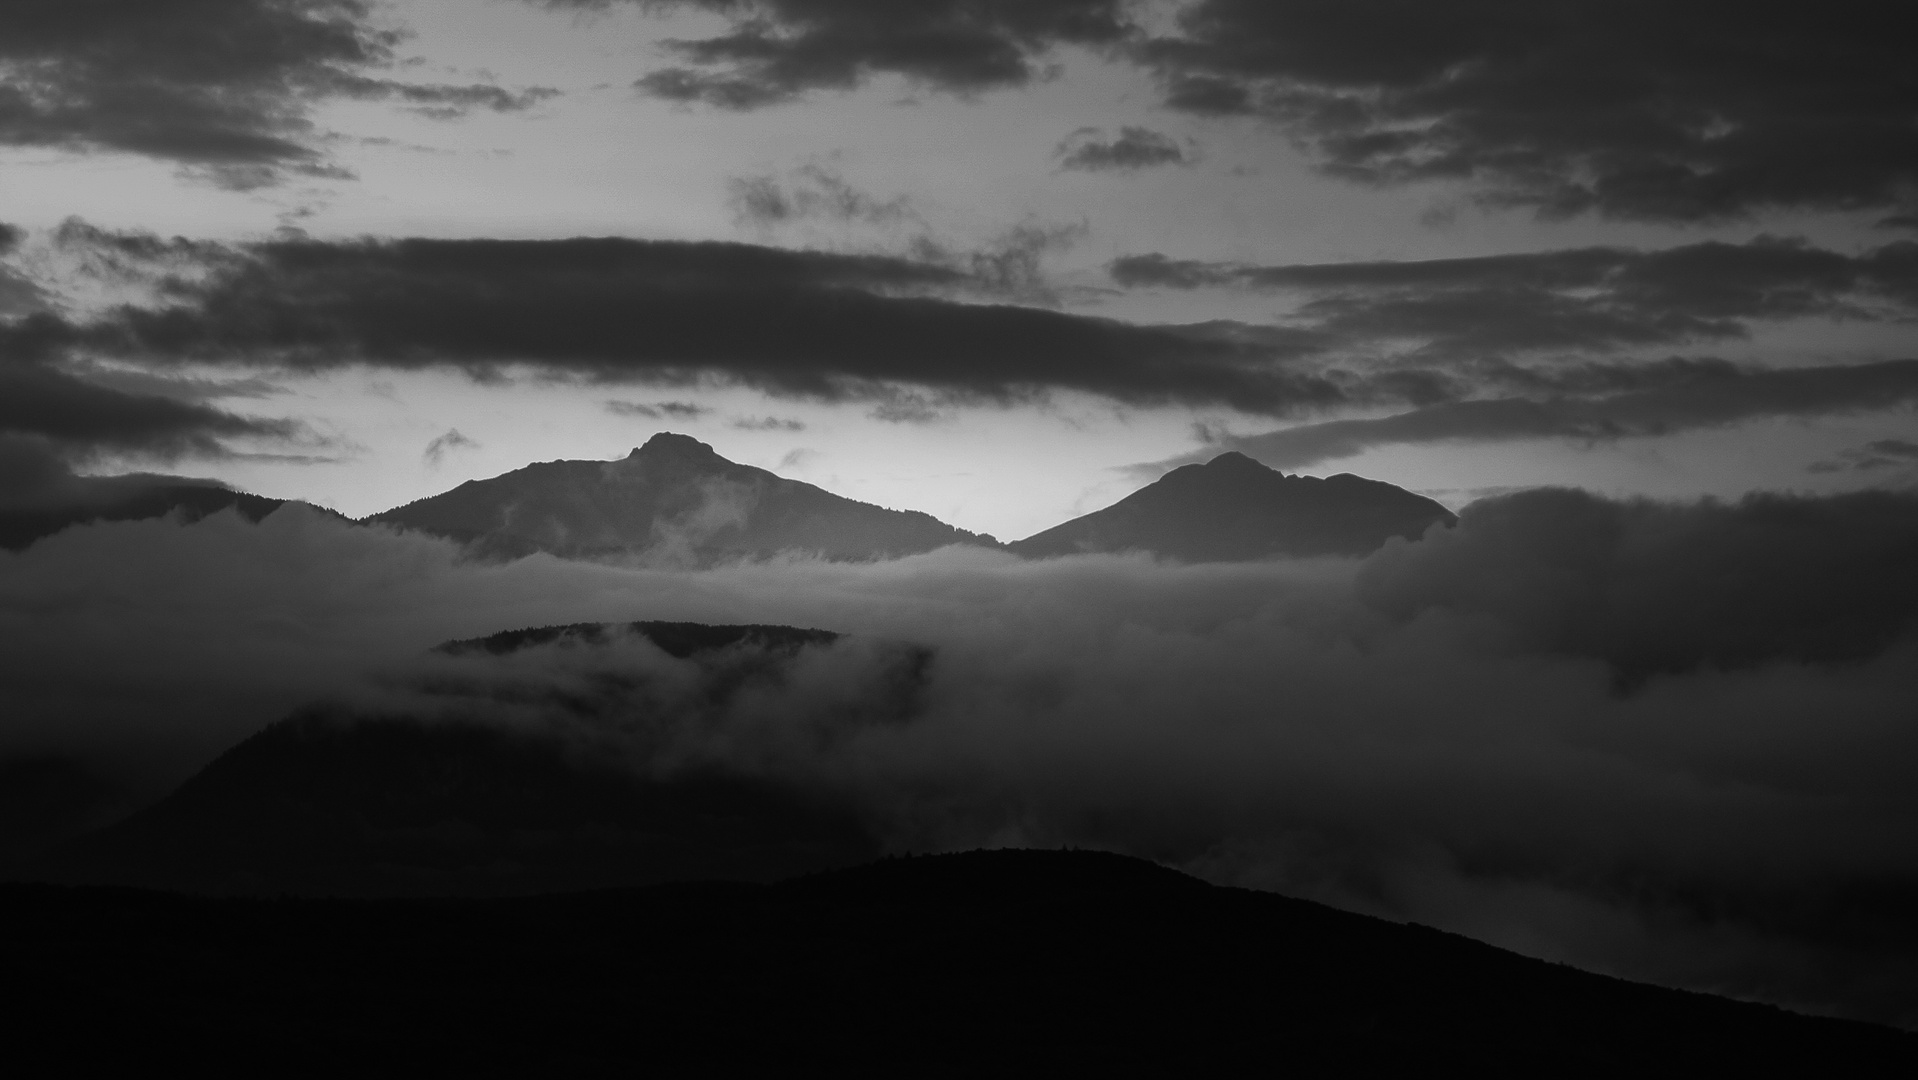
{"type": "Point", "coordinates": [1558, 723]}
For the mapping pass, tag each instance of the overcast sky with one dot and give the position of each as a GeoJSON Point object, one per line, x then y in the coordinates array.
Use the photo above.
{"type": "Point", "coordinates": [1000, 262]}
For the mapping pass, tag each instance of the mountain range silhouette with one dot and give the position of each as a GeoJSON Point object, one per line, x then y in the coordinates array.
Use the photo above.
{"type": "Point", "coordinates": [676, 498]}
{"type": "Point", "coordinates": [676, 502]}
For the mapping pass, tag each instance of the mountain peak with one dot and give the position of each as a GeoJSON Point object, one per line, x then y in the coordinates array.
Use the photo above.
{"type": "Point", "coordinates": [1233, 461]}
{"type": "Point", "coordinates": [674, 500]}
{"type": "Point", "coordinates": [1234, 507]}
{"type": "Point", "coordinates": [675, 444]}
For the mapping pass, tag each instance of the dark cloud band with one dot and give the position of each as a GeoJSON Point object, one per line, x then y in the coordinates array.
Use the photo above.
{"type": "Point", "coordinates": [1705, 396]}
{"type": "Point", "coordinates": [1665, 111]}
{"type": "Point", "coordinates": [83, 417]}
{"type": "Point", "coordinates": [1589, 299]}
{"type": "Point", "coordinates": [797, 322]}
{"type": "Point", "coordinates": [221, 86]}
{"type": "Point", "coordinates": [780, 50]}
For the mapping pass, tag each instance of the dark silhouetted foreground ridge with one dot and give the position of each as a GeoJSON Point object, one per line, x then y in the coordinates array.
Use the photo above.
{"type": "Point", "coordinates": [674, 500]}
{"type": "Point", "coordinates": [1233, 508]}
{"type": "Point", "coordinates": [1026, 963]}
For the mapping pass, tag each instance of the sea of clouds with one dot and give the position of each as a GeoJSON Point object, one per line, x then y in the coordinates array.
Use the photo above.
{"type": "Point", "coordinates": [1671, 742]}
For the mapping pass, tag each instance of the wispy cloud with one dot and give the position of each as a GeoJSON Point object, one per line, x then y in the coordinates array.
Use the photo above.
{"type": "Point", "coordinates": [658, 410]}
{"type": "Point", "coordinates": [221, 87]}
{"type": "Point", "coordinates": [1090, 149]}
{"type": "Point", "coordinates": [1570, 109]}
{"type": "Point", "coordinates": [1871, 457]}
{"type": "Point", "coordinates": [1693, 398]}
{"type": "Point", "coordinates": [442, 445]}
{"type": "Point", "coordinates": [778, 51]}
{"type": "Point", "coordinates": [1583, 299]}
{"type": "Point", "coordinates": [768, 423]}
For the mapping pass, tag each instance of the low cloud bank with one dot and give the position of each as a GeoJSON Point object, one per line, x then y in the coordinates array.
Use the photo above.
{"type": "Point", "coordinates": [1670, 742]}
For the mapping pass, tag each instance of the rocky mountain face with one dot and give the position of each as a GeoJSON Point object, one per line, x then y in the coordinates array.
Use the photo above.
{"type": "Point", "coordinates": [1233, 508]}
{"type": "Point", "coordinates": [674, 501]}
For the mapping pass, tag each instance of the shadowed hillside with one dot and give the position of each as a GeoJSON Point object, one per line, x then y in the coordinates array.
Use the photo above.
{"type": "Point", "coordinates": [1234, 508]}
{"type": "Point", "coordinates": [392, 806]}
{"type": "Point", "coordinates": [125, 498]}
{"type": "Point", "coordinates": [994, 962]}
{"type": "Point", "coordinates": [329, 802]}
{"type": "Point", "coordinates": [675, 501]}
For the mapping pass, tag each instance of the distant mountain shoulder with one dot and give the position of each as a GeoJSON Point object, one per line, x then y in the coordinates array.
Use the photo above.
{"type": "Point", "coordinates": [326, 803]}
{"type": "Point", "coordinates": [675, 500]}
{"type": "Point", "coordinates": [678, 639]}
{"type": "Point", "coordinates": [1234, 508]}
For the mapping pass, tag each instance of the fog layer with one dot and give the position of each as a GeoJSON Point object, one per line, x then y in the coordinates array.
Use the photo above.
{"type": "Point", "coordinates": [1671, 742]}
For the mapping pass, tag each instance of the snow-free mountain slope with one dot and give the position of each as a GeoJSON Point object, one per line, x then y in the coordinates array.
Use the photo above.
{"type": "Point", "coordinates": [337, 803]}
{"type": "Point", "coordinates": [674, 500]}
{"type": "Point", "coordinates": [1234, 508]}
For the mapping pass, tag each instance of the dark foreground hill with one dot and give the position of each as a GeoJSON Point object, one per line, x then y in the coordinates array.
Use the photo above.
{"type": "Point", "coordinates": [1233, 508]}
{"type": "Point", "coordinates": [674, 500]}
{"type": "Point", "coordinates": [989, 963]}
